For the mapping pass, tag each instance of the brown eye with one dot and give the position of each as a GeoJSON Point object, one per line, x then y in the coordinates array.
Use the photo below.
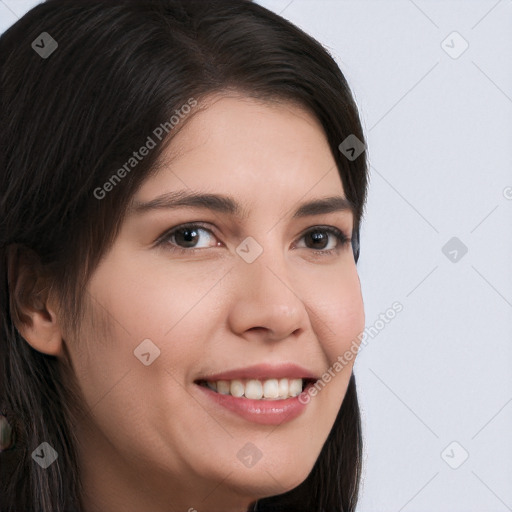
{"type": "Point", "coordinates": [186, 238]}
{"type": "Point", "coordinates": [319, 237]}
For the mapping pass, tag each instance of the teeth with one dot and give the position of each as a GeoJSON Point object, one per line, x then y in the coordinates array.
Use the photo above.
{"type": "Point", "coordinates": [283, 387]}
{"type": "Point", "coordinates": [253, 390]}
{"type": "Point", "coordinates": [237, 388]}
{"type": "Point", "coordinates": [270, 389]}
{"type": "Point", "coordinates": [223, 387]}
{"type": "Point", "coordinates": [295, 387]}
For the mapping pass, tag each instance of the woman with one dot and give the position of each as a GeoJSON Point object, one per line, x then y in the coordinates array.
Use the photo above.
{"type": "Point", "coordinates": [182, 185]}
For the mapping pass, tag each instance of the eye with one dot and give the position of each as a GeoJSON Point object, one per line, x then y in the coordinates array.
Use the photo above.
{"type": "Point", "coordinates": [319, 236]}
{"type": "Point", "coordinates": [184, 239]}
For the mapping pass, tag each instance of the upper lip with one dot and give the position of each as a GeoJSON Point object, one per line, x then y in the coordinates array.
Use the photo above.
{"type": "Point", "coordinates": [263, 371]}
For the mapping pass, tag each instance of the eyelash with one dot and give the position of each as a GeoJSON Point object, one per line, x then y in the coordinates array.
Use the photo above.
{"type": "Point", "coordinates": [343, 240]}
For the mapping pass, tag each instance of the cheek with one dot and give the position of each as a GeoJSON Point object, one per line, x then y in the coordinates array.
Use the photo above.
{"type": "Point", "coordinates": [139, 302]}
{"type": "Point", "coordinates": [152, 300]}
{"type": "Point", "coordinates": [338, 308]}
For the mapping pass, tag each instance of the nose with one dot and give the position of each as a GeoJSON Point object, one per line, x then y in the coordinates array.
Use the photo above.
{"type": "Point", "coordinates": [265, 304]}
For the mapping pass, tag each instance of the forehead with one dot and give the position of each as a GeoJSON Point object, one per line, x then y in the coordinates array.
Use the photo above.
{"type": "Point", "coordinates": [250, 150]}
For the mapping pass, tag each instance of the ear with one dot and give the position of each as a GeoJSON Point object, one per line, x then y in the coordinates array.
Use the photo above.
{"type": "Point", "coordinates": [31, 311]}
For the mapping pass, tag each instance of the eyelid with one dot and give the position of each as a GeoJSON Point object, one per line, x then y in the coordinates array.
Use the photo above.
{"type": "Point", "coordinates": [169, 232]}
{"type": "Point", "coordinates": [340, 234]}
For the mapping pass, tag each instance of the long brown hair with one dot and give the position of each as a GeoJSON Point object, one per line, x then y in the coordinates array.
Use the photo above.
{"type": "Point", "coordinates": [70, 119]}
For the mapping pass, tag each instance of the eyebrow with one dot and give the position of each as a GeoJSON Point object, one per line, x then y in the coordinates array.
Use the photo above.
{"type": "Point", "coordinates": [228, 205]}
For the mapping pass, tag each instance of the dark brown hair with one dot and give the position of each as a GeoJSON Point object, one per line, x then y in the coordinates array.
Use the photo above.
{"type": "Point", "coordinates": [69, 121]}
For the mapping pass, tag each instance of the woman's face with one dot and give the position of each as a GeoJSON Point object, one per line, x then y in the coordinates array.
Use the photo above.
{"type": "Point", "coordinates": [261, 286]}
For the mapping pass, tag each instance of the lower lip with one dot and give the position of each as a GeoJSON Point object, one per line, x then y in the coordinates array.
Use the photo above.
{"type": "Point", "coordinates": [264, 412]}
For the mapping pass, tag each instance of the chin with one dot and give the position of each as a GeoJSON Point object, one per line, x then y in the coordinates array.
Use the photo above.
{"type": "Point", "coordinates": [270, 481]}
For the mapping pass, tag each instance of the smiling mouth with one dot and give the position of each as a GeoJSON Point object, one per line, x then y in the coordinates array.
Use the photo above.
{"type": "Point", "coordinates": [258, 389]}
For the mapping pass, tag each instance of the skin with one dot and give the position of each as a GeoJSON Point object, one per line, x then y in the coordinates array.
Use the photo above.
{"type": "Point", "coordinates": [152, 440]}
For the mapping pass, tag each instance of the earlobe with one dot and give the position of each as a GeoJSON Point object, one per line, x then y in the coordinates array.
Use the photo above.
{"type": "Point", "coordinates": [31, 313]}
{"type": "Point", "coordinates": [43, 333]}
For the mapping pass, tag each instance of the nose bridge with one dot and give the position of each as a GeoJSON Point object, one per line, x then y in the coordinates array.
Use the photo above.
{"type": "Point", "coordinates": [265, 296]}
{"type": "Point", "coordinates": [266, 268]}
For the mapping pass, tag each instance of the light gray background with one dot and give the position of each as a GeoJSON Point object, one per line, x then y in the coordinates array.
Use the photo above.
{"type": "Point", "coordinates": [439, 133]}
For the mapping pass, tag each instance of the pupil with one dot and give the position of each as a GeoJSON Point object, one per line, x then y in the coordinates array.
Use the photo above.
{"type": "Point", "coordinates": [189, 234]}
{"type": "Point", "coordinates": [318, 237]}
